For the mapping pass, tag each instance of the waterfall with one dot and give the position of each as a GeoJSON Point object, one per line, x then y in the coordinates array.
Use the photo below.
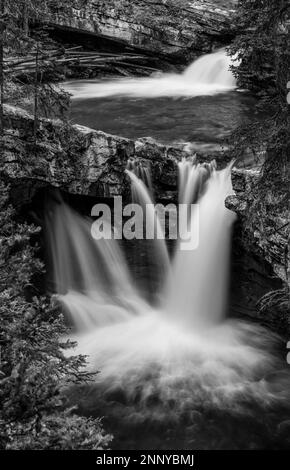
{"type": "Point", "coordinates": [142, 196]}
{"type": "Point", "coordinates": [197, 290]}
{"type": "Point", "coordinates": [93, 280]}
{"type": "Point", "coordinates": [183, 354]}
{"type": "Point", "coordinates": [167, 359]}
{"type": "Point", "coordinates": [208, 75]}
{"type": "Point", "coordinates": [143, 173]}
{"type": "Point", "coordinates": [85, 268]}
{"type": "Point", "coordinates": [212, 70]}
{"type": "Point", "coordinates": [91, 277]}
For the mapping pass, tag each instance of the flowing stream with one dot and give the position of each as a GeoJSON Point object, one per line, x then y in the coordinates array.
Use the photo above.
{"type": "Point", "coordinates": [161, 362]}
{"type": "Point", "coordinates": [208, 75]}
{"type": "Point", "coordinates": [175, 372]}
{"type": "Point", "coordinates": [200, 106]}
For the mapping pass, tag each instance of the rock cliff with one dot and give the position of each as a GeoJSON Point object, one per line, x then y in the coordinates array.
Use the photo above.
{"type": "Point", "coordinates": [81, 160]}
{"type": "Point", "coordinates": [180, 29]}
{"type": "Point", "coordinates": [84, 161]}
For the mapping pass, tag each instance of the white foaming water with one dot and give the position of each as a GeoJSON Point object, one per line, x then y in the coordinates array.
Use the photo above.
{"type": "Point", "coordinates": [197, 291]}
{"type": "Point", "coordinates": [208, 75]}
{"type": "Point", "coordinates": [141, 195]}
{"type": "Point", "coordinates": [184, 352]}
{"type": "Point", "coordinates": [143, 173]}
{"type": "Point", "coordinates": [90, 276]}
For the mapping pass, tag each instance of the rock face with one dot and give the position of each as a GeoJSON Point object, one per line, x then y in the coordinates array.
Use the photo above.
{"type": "Point", "coordinates": [180, 29]}
{"type": "Point", "coordinates": [262, 238]}
{"type": "Point", "coordinates": [83, 161]}
{"type": "Point", "coordinates": [268, 234]}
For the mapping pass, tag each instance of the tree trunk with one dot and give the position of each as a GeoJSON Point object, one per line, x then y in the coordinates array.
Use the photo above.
{"type": "Point", "coordinates": [2, 32]}
{"type": "Point", "coordinates": [36, 92]}
{"type": "Point", "coordinates": [25, 23]}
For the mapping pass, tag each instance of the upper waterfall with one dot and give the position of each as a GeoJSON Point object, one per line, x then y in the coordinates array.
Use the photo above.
{"type": "Point", "coordinates": [208, 75]}
{"type": "Point", "coordinates": [212, 69]}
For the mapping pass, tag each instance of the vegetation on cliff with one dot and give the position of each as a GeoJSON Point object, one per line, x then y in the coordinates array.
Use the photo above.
{"type": "Point", "coordinates": [30, 88]}
{"type": "Point", "coordinates": [262, 47]}
{"type": "Point", "coordinates": [35, 366]}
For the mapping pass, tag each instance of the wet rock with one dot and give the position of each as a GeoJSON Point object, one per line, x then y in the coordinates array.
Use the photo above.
{"type": "Point", "coordinates": [284, 429]}
{"type": "Point", "coordinates": [267, 235]}
{"type": "Point", "coordinates": [80, 160]}
{"type": "Point", "coordinates": [76, 159]}
{"type": "Point", "coordinates": [236, 205]}
{"type": "Point", "coordinates": [180, 29]}
{"type": "Point", "coordinates": [85, 161]}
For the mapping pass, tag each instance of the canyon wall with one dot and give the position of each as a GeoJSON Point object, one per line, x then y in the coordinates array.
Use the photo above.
{"type": "Point", "coordinates": [179, 29]}
{"type": "Point", "coordinates": [84, 161]}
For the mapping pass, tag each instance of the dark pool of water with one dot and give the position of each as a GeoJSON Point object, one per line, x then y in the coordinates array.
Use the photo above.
{"type": "Point", "coordinates": [199, 429]}
{"type": "Point", "coordinates": [202, 427]}
{"type": "Point", "coordinates": [203, 120]}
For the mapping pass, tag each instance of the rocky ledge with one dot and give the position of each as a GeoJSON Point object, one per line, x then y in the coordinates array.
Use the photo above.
{"type": "Point", "coordinates": [180, 29]}
{"type": "Point", "coordinates": [269, 233]}
{"type": "Point", "coordinates": [84, 161]}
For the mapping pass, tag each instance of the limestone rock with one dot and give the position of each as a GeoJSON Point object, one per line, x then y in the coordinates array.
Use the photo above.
{"type": "Point", "coordinates": [180, 29]}
{"type": "Point", "coordinates": [85, 161]}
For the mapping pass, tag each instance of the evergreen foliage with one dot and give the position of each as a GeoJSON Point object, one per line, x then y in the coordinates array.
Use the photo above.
{"type": "Point", "coordinates": [35, 366]}
{"type": "Point", "coordinates": [262, 47]}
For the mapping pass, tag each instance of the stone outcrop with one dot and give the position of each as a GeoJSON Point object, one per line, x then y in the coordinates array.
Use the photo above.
{"type": "Point", "coordinates": [84, 161]}
{"type": "Point", "coordinates": [261, 267]}
{"type": "Point", "coordinates": [180, 29]}
{"type": "Point", "coordinates": [263, 234]}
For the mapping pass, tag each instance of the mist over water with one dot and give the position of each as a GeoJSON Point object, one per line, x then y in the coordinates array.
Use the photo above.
{"type": "Point", "coordinates": [200, 106]}
{"type": "Point", "coordinates": [197, 291]}
{"type": "Point", "coordinates": [181, 354]}
{"type": "Point", "coordinates": [176, 358]}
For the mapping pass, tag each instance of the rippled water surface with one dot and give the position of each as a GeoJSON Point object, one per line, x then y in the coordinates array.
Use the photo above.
{"type": "Point", "coordinates": [167, 382]}
{"type": "Point", "coordinates": [201, 120]}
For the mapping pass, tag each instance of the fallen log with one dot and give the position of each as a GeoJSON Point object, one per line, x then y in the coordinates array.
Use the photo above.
{"type": "Point", "coordinates": [152, 69]}
{"type": "Point", "coordinates": [122, 71]}
{"type": "Point", "coordinates": [44, 60]}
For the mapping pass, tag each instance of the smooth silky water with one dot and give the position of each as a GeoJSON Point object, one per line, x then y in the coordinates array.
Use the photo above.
{"type": "Point", "coordinates": [201, 106]}
{"type": "Point", "coordinates": [174, 371]}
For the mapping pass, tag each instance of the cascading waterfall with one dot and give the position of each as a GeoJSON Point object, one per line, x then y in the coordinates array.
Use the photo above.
{"type": "Point", "coordinates": [182, 353]}
{"type": "Point", "coordinates": [141, 194]}
{"type": "Point", "coordinates": [212, 70]}
{"type": "Point", "coordinates": [197, 290]}
{"type": "Point", "coordinates": [191, 179]}
{"type": "Point", "coordinates": [142, 172]}
{"type": "Point", "coordinates": [91, 278]}
{"type": "Point", "coordinates": [208, 75]}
